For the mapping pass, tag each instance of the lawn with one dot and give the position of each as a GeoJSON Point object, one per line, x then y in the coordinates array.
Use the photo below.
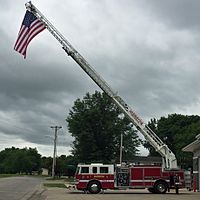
{"type": "Point", "coordinates": [8, 175]}
{"type": "Point", "coordinates": [58, 185]}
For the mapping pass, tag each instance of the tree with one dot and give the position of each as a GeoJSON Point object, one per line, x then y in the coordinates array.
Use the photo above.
{"type": "Point", "coordinates": [96, 125]}
{"type": "Point", "coordinates": [176, 131]}
{"type": "Point", "coordinates": [15, 160]}
{"type": "Point", "coordinates": [46, 162]}
{"type": "Point", "coordinates": [65, 165]}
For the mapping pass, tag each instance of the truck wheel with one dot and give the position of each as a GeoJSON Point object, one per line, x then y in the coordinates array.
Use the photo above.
{"type": "Point", "coordinates": [160, 187]}
{"type": "Point", "coordinates": [94, 187]}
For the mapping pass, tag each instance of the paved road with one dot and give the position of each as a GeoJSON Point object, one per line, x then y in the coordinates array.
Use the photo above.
{"type": "Point", "coordinates": [63, 194]}
{"type": "Point", "coordinates": [19, 188]}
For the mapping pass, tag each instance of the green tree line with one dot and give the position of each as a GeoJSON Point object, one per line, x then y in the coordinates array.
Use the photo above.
{"type": "Point", "coordinates": [28, 160]}
{"type": "Point", "coordinates": [14, 160]}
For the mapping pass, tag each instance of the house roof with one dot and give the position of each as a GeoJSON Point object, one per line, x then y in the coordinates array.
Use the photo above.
{"type": "Point", "coordinates": [194, 146]}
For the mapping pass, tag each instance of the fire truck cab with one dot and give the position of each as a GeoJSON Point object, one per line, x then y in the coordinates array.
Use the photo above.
{"type": "Point", "coordinates": [96, 177]}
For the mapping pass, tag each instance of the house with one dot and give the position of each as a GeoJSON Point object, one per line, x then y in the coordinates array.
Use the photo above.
{"type": "Point", "coordinates": [45, 172]}
{"type": "Point", "coordinates": [194, 147]}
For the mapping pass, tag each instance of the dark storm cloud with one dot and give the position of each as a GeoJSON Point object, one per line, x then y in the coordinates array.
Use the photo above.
{"type": "Point", "coordinates": [148, 51]}
{"type": "Point", "coordinates": [37, 96]}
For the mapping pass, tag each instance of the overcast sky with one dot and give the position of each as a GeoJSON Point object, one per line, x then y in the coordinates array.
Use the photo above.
{"type": "Point", "coordinates": [147, 51]}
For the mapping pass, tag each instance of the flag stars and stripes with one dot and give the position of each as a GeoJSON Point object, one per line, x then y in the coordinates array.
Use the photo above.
{"type": "Point", "coordinates": [31, 26]}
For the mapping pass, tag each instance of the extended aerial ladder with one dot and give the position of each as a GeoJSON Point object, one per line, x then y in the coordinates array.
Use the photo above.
{"type": "Point", "coordinates": [169, 159]}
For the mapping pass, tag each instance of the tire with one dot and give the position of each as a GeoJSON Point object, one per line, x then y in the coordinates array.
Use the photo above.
{"type": "Point", "coordinates": [94, 187]}
{"type": "Point", "coordinates": [160, 187]}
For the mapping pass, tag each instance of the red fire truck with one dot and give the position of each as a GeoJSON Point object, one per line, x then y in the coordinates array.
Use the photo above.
{"type": "Point", "coordinates": [97, 177]}
{"type": "Point", "coordinates": [93, 178]}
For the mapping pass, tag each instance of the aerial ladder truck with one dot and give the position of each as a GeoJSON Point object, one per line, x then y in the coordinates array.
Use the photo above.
{"type": "Point", "coordinates": [168, 157]}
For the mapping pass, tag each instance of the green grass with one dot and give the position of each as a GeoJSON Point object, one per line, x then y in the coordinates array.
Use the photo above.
{"type": "Point", "coordinates": [16, 175]}
{"type": "Point", "coordinates": [58, 185]}
{"type": "Point", "coordinates": [8, 175]}
{"type": "Point", "coordinates": [69, 180]}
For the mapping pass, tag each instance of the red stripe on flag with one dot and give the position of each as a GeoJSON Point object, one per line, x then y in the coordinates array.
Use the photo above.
{"type": "Point", "coordinates": [19, 35]}
{"type": "Point", "coordinates": [28, 35]}
{"type": "Point", "coordinates": [31, 37]}
{"type": "Point", "coordinates": [29, 29]}
{"type": "Point", "coordinates": [35, 29]}
{"type": "Point", "coordinates": [20, 39]}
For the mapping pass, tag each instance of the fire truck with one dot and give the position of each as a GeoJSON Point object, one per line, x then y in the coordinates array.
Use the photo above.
{"type": "Point", "coordinates": [96, 177]}
{"type": "Point", "coordinates": [92, 177]}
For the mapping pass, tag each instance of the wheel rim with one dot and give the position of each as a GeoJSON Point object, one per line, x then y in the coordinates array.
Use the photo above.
{"type": "Point", "coordinates": [94, 187]}
{"type": "Point", "coordinates": [161, 187]}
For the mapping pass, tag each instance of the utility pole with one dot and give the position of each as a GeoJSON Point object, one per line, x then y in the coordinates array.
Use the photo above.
{"type": "Point", "coordinates": [54, 151]}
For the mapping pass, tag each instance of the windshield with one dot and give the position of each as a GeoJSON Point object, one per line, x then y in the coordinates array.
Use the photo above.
{"type": "Point", "coordinates": [77, 170]}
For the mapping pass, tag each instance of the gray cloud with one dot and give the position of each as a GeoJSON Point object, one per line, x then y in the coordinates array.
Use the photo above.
{"type": "Point", "coordinates": [180, 14]}
{"type": "Point", "coordinates": [147, 51]}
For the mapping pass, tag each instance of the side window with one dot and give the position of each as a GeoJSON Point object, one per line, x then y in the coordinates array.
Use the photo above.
{"type": "Point", "coordinates": [85, 170]}
{"type": "Point", "coordinates": [104, 170]}
{"type": "Point", "coordinates": [94, 170]}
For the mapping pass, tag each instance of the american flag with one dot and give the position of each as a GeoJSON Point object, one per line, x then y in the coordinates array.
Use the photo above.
{"type": "Point", "coordinates": [30, 27]}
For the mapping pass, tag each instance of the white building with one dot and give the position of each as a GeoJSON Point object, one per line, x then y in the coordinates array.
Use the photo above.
{"type": "Point", "coordinates": [45, 172]}
{"type": "Point", "coordinates": [195, 148]}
